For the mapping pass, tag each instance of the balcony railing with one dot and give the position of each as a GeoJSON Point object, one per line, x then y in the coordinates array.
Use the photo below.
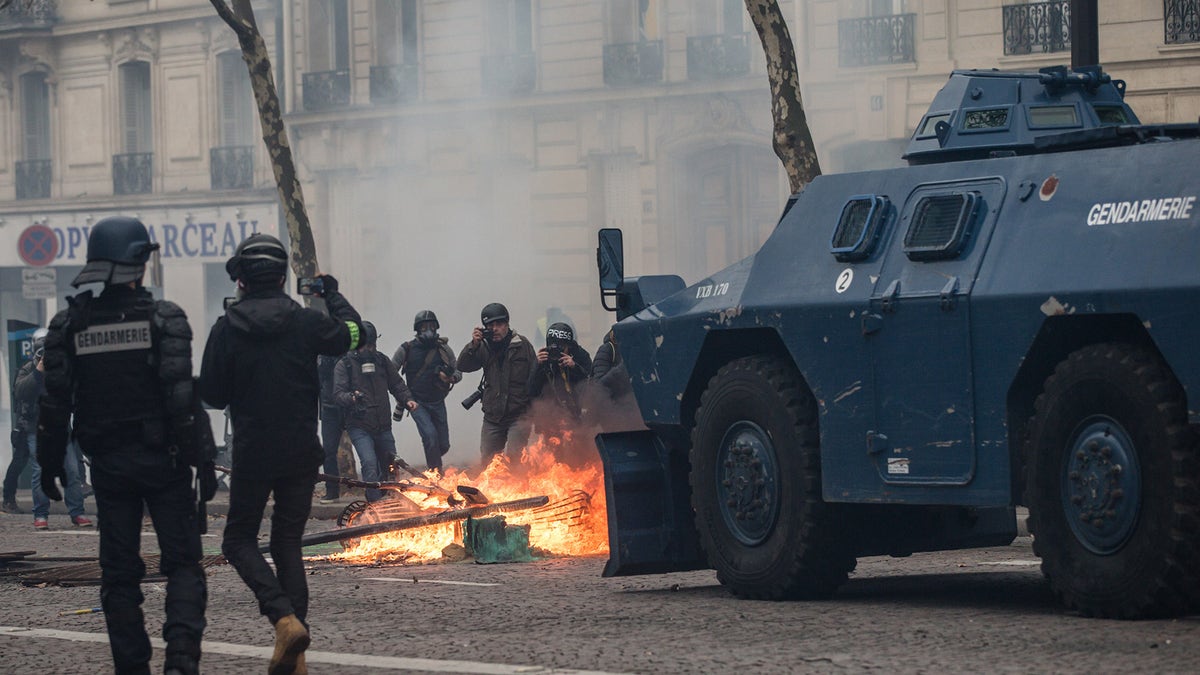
{"type": "Point", "coordinates": [1181, 21]}
{"type": "Point", "coordinates": [231, 167]}
{"type": "Point", "coordinates": [876, 40]}
{"type": "Point", "coordinates": [711, 57]}
{"type": "Point", "coordinates": [394, 84]}
{"type": "Point", "coordinates": [1037, 27]}
{"type": "Point", "coordinates": [633, 63]}
{"type": "Point", "coordinates": [33, 179]}
{"type": "Point", "coordinates": [28, 14]}
{"type": "Point", "coordinates": [132, 173]}
{"type": "Point", "coordinates": [509, 74]}
{"type": "Point", "coordinates": [327, 89]}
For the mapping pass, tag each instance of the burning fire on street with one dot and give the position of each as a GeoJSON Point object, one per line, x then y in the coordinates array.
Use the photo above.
{"type": "Point", "coordinates": [572, 523]}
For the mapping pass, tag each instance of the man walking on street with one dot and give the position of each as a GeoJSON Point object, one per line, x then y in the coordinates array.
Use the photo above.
{"type": "Point", "coordinates": [506, 359]}
{"type": "Point", "coordinates": [428, 364]}
{"type": "Point", "coordinates": [121, 363]}
{"type": "Point", "coordinates": [261, 362]}
{"type": "Point", "coordinates": [29, 387]}
{"type": "Point", "coordinates": [362, 380]}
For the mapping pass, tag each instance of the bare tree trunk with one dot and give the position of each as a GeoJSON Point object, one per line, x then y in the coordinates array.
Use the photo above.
{"type": "Point", "coordinates": [254, 51]}
{"type": "Point", "coordinates": [792, 138]}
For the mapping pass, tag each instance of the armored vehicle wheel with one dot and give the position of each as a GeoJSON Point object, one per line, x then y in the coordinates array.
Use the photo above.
{"type": "Point", "coordinates": [1111, 485]}
{"type": "Point", "coordinates": [756, 485]}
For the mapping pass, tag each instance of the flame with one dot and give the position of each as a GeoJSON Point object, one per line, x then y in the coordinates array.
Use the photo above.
{"type": "Point", "coordinates": [574, 523]}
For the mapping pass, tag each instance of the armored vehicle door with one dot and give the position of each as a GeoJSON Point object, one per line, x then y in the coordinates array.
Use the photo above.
{"type": "Point", "coordinates": [919, 338]}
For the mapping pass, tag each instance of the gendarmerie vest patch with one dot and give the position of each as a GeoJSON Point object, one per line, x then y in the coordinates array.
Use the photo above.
{"type": "Point", "coordinates": [113, 337]}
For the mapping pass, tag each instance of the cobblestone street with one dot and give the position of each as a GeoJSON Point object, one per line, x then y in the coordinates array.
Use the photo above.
{"type": "Point", "coordinates": [959, 611]}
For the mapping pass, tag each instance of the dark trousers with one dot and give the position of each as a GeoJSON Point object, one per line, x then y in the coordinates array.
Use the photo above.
{"type": "Point", "coordinates": [128, 481]}
{"type": "Point", "coordinates": [332, 426]}
{"type": "Point", "coordinates": [284, 590]}
{"type": "Point", "coordinates": [20, 457]}
{"type": "Point", "coordinates": [430, 418]}
{"type": "Point", "coordinates": [507, 435]}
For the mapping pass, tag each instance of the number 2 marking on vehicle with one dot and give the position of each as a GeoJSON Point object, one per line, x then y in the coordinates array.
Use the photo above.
{"type": "Point", "coordinates": [844, 280]}
{"type": "Point", "coordinates": [712, 290]}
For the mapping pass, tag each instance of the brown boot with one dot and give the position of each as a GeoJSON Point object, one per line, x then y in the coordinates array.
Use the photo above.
{"type": "Point", "coordinates": [291, 639]}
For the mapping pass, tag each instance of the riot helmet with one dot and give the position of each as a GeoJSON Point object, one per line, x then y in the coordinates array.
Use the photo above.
{"type": "Point", "coordinates": [493, 312]}
{"type": "Point", "coordinates": [117, 252]}
{"type": "Point", "coordinates": [260, 259]}
{"type": "Point", "coordinates": [560, 333]}
{"type": "Point", "coordinates": [423, 316]}
{"type": "Point", "coordinates": [369, 335]}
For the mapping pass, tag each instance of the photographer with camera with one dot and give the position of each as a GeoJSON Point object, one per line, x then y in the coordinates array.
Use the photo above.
{"type": "Point", "coordinates": [506, 359]}
{"type": "Point", "coordinates": [562, 367]}
{"type": "Point", "coordinates": [428, 364]}
{"type": "Point", "coordinates": [361, 382]}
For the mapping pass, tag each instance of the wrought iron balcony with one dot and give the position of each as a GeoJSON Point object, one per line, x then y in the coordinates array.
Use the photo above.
{"type": "Point", "coordinates": [1181, 21]}
{"type": "Point", "coordinates": [327, 89]}
{"type": "Point", "coordinates": [394, 84]}
{"type": "Point", "coordinates": [633, 63]}
{"type": "Point", "coordinates": [231, 167]}
{"type": "Point", "coordinates": [509, 74]}
{"type": "Point", "coordinates": [33, 179]}
{"type": "Point", "coordinates": [876, 40]}
{"type": "Point", "coordinates": [28, 14]}
{"type": "Point", "coordinates": [1037, 27]}
{"type": "Point", "coordinates": [711, 57]}
{"type": "Point", "coordinates": [133, 173]}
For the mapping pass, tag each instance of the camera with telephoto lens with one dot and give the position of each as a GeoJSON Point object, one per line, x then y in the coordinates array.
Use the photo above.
{"type": "Point", "coordinates": [470, 401]}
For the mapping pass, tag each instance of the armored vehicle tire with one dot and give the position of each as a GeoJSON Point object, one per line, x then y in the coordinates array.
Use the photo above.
{"type": "Point", "coordinates": [1111, 485]}
{"type": "Point", "coordinates": [756, 485]}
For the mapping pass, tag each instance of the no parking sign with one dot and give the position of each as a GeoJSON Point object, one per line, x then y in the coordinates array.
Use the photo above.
{"type": "Point", "coordinates": [38, 246]}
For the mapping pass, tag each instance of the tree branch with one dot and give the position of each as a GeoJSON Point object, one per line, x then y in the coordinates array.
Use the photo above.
{"type": "Point", "coordinates": [239, 25]}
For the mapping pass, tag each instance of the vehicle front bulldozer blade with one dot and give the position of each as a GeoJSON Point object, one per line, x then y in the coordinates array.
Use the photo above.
{"type": "Point", "coordinates": [650, 525]}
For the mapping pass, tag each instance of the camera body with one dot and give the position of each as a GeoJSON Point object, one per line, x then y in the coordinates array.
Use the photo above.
{"type": "Point", "coordinates": [487, 333]}
{"type": "Point", "coordinates": [555, 350]}
{"type": "Point", "coordinates": [310, 285]}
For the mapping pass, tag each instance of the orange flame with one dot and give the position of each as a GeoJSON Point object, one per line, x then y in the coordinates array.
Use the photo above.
{"type": "Point", "coordinates": [561, 528]}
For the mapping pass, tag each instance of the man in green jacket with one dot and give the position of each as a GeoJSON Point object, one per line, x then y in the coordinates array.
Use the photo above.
{"type": "Point", "coordinates": [506, 359]}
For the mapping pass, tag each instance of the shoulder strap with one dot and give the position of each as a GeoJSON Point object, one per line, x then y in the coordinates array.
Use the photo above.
{"type": "Point", "coordinates": [428, 362]}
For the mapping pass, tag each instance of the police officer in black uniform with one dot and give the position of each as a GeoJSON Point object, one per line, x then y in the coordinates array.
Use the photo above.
{"type": "Point", "coordinates": [122, 364]}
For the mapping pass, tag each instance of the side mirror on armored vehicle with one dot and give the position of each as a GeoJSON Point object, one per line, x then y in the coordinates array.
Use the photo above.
{"type": "Point", "coordinates": [610, 260]}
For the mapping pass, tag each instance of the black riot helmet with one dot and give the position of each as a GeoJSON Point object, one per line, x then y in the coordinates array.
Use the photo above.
{"type": "Point", "coordinates": [423, 316]}
{"type": "Point", "coordinates": [493, 312]}
{"type": "Point", "coordinates": [259, 259]}
{"type": "Point", "coordinates": [118, 248]}
{"type": "Point", "coordinates": [560, 333]}
{"type": "Point", "coordinates": [369, 335]}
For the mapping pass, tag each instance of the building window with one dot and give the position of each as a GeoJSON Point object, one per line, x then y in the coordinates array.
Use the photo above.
{"type": "Point", "coordinates": [885, 35]}
{"type": "Point", "coordinates": [231, 161]}
{"type": "Point", "coordinates": [394, 73]}
{"type": "Point", "coordinates": [509, 66]}
{"type": "Point", "coordinates": [327, 82]}
{"type": "Point", "coordinates": [1037, 27]}
{"type": "Point", "coordinates": [33, 170]}
{"type": "Point", "coordinates": [1181, 21]}
{"type": "Point", "coordinates": [132, 169]}
{"type": "Point", "coordinates": [720, 47]}
{"type": "Point", "coordinates": [634, 54]}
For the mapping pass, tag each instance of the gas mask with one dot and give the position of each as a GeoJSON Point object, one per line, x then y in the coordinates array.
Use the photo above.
{"type": "Point", "coordinates": [428, 336]}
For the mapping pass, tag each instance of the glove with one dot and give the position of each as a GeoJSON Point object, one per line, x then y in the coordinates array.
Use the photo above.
{"type": "Point", "coordinates": [48, 485]}
{"type": "Point", "coordinates": [329, 283]}
{"type": "Point", "coordinates": [207, 473]}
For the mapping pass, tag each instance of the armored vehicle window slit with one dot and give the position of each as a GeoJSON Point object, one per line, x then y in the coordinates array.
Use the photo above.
{"type": "Point", "coordinates": [986, 119]}
{"type": "Point", "coordinates": [859, 227]}
{"type": "Point", "coordinates": [1043, 116]}
{"type": "Point", "coordinates": [928, 127]}
{"type": "Point", "coordinates": [1111, 114]}
{"type": "Point", "coordinates": [940, 226]}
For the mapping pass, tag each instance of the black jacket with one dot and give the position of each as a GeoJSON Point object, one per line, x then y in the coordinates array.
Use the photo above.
{"type": "Point", "coordinates": [551, 381]}
{"type": "Point", "coordinates": [609, 370]}
{"type": "Point", "coordinates": [261, 362]}
{"type": "Point", "coordinates": [372, 374]}
{"type": "Point", "coordinates": [424, 383]}
{"type": "Point", "coordinates": [30, 385]}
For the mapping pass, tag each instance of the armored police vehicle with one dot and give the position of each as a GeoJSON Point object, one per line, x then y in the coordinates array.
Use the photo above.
{"type": "Point", "coordinates": [1010, 320]}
